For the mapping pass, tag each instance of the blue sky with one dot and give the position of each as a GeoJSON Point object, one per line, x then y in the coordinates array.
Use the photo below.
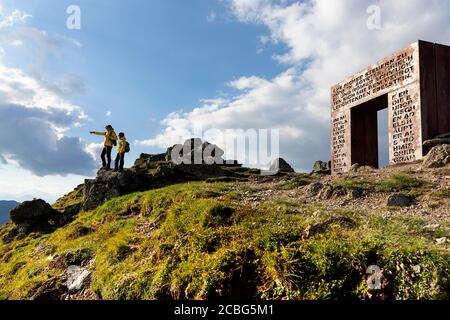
{"type": "Point", "coordinates": [142, 60]}
{"type": "Point", "coordinates": [162, 67]}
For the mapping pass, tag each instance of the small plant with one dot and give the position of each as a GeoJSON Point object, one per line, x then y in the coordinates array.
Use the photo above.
{"type": "Point", "coordinates": [441, 194]}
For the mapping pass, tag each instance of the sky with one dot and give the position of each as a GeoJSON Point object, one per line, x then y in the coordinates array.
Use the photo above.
{"type": "Point", "coordinates": [157, 69]}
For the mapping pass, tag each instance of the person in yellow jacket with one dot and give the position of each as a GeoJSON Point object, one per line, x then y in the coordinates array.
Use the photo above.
{"type": "Point", "coordinates": [120, 159]}
{"type": "Point", "coordinates": [110, 141]}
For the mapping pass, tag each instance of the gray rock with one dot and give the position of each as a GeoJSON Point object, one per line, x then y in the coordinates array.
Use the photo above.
{"type": "Point", "coordinates": [321, 167]}
{"type": "Point", "coordinates": [35, 215]}
{"type": "Point", "coordinates": [281, 165]}
{"type": "Point", "coordinates": [355, 168]}
{"type": "Point", "coordinates": [356, 194]}
{"type": "Point", "coordinates": [315, 188]}
{"type": "Point", "coordinates": [109, 184]}
{"type": "Point", "coordinates": [400, 200]}
{"type": "Point", "coordinates": [442, 240]}
{"type": "Point", "coordinates": [194, 151]}
{"type": "Point", "coordinates": [326, 193]}
{"type": "Point", "coordinates": [77, 278]}
{"type": "Point", "coordinates": [438, 157]}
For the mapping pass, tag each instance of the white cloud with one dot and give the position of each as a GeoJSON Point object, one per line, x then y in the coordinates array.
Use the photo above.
{"type": "Point", "coordinates": [16, 16]}
{"type": "Point", "coordinates": [18, 184]}
{"type": "Point", "coordinates": [16, 43]}
{"type": "Point", "coordinates": [326, 42]}
{"type": "Point", "coordinates": [18, 88]}
{"type": "Point", "coordinates": [108, 113]}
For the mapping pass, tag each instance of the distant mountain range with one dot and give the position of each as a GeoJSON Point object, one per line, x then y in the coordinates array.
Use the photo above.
{"type": "Point", "coordinates": [5, 207]}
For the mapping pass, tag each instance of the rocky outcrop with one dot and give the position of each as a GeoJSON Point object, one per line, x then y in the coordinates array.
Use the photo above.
{"type": "Point", "coordinates": [192, 161]}
{"type": "Point", "coordinates": [34, 215]}
{"type": "Point", "coordinates": [281, 166]}
{"type": "Point", "coordinates": [195, 151]}
{"type": "Point", "coordinates": [321, 167]}
{"type": "Point", "coordinates": [438, 157]}
{"type": "Point", "coordinates": [109, 185]}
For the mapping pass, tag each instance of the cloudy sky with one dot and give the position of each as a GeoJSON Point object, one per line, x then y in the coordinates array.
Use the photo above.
{"type": "Point", "coordinates": [157, 69]}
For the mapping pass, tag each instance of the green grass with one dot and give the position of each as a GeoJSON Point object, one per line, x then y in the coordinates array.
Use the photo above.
{"type": "Point", "coordinates": [294, 182]}
{"type": "Point", "coordinates": [73, 198]}
{"type": "Point", "coordinates": [348, 185]}
{"type": "Point", "coordinates": [398, 183]}
{"type": "Point", "coordinates": [441, 194]}
{"type": "Point", "coordinates": [189, 240]}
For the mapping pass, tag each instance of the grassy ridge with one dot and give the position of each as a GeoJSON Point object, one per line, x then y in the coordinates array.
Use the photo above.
{"type": "Point", "coordinates": [201, 241]}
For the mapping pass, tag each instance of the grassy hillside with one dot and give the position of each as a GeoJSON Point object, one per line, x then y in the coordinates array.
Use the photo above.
{"type": "Point", "coordinates": [263, 239]}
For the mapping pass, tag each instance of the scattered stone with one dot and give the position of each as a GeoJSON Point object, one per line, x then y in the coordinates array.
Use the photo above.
{"type": "Point", "coordinates": [281, 165]}
{"type": "Point", "coordinates": [77, 278]}
{"type": "Point", "coordinates": [438, 157]}
{"type": "Point", "coordinates": [356, 194]}
{"type": "Point", "coordinates": [442, 240]}
{"type": "Point", "coordinates": [367, 169]}
{"type": "Point", "coordinates": [416, 269]}
{"type": "Point", "coordinates": [321, 167]}
{"type": "Point", "coordinates": [35, 215]}
{"type": "Point", "coordinates": [321, 227]}
{"type": "Point", "coordinates": [400, 200]}
{"type": "Point", "coordinates": [326, 193]}
{"type": "Point", "coordinates": [432, 227]}
{"type": "Point", "coordinates": [315, 188]}
{"type": "Point", "coordinates": [355, 168]}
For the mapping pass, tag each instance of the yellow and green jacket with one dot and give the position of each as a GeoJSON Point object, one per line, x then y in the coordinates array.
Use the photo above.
{"type": "Point", "coordinates": [122, 145]}
{"type": "Point", "coordinates": [110, 136]}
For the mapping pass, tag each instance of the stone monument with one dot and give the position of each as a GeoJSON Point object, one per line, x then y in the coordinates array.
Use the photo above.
{"type": "Point", "coordinates": [414, 85]}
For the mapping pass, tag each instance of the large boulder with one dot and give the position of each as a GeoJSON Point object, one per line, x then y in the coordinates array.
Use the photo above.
{"type": "Point", "coordinates": [438, 157]}
{"type": "Point", "coordinates": [109, 185]}
{"type": "Point", "coordinates": [78, 278]}
{"type": "Point", "coordinates": [35, 215]}
{"type": "Point", "coordinates": [400, 200]}
{"type": "Point", "coordinates": [281, 166]}
{"type": "Point", "coordinates": [195, 151]}
{"type": "Point", "coordinates": [321, 167]}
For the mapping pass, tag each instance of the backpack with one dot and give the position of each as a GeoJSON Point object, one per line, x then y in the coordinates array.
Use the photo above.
{"type": "Point", "coordinates": [127, 147]}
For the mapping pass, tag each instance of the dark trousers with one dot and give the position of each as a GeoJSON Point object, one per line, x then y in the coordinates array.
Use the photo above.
{"type": "Point", "coordinates": [120, 160]}
{"type": "Point", "coordinates": [106, 153]}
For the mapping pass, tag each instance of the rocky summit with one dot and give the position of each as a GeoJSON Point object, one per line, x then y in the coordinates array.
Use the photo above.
{"type": "Point", "coordinates": [165, 229]}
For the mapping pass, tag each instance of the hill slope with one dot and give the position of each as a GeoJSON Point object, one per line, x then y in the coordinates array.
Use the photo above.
{"type": "Point", "coordinates": [290, 237]}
